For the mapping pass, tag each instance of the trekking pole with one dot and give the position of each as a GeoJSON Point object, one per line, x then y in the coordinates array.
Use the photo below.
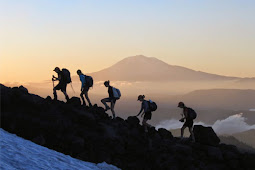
{"type": "Point", "coordinates": [72, 87]}
{"type": "Point", "coordinates": [53, 81]}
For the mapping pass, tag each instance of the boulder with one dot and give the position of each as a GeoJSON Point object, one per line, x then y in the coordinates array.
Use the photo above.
{"type": "Point", "coordinates": [23, 89]}
{"type": "Point", "coordinates": [48, 98]}
{"type": "Point", "coordinates": [75, 101]}
{"type": "Point", "coordinates": [133, 121]}
{"type": "Point", "coordinates": [165, 134]}
{"type": "Point", "coordinates": [205, 135]}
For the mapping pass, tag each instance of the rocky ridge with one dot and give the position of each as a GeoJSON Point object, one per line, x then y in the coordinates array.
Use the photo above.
{"type": "Point", "coordinates": [91, 135]}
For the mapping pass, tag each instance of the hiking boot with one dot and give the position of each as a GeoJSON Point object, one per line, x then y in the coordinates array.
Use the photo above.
{"type": "Point", "coordinates": [107, 108]}
{"type": "Point", "coordinates": [67, 99]}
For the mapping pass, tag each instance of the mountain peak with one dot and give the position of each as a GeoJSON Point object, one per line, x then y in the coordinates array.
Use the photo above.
{"type": "Point", "coordinates": [137, 57]}
{"type": "Point", "coordinates": [143, 68]}
{"type": "Point", "coordinates": [141, 59]}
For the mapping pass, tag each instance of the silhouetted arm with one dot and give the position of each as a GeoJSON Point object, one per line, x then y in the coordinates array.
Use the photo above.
{"type": "Point", "coordinates": [54, 78]}
{"type": "Point", "coordinates": [110, 91]}
{"type": "Point", "coordinates": [142, 108]}
{"type": "Point", "coordinates": [185, 113]}
{"type": "Point", "coordinates": [82, 79]}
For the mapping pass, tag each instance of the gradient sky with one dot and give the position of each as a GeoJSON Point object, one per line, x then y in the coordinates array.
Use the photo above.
{"type": "Point", "coordinates": [216, 36]}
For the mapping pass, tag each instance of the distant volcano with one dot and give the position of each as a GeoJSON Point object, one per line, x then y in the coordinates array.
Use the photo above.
{"type": "Point", "coordinates": [142, 68]}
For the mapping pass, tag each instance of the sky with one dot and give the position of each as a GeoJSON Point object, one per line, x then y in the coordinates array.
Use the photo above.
{"type": "Point", "coordinates": [213, 36]}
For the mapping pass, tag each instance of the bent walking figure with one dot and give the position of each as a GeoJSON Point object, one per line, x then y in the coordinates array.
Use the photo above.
{"type": "Point", "coordinates": [86, 83]}
{"type": "Point", "coordinates": [145, 108]}
{"type": "Point", "coordinates": [61, 85]}
{"type": "Point", "coordinates": [188, 120]}
{"type": "Point", "coordinates": [114, 94]}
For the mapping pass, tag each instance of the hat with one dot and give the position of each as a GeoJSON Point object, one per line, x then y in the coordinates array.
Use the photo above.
{"type": "Point", "coordinates": [181, 104]}
{"type": "Point", "coordinates": [141, 97]}
{"type": "Point", "coordinates": [56, 69]}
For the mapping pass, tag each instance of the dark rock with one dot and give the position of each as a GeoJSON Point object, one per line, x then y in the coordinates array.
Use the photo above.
{"type": "Point", "coordinates": [231, 148]}
{"type": "Point", "coordinates": [75, 101]}
{"type": "Point", "coordinates": [183, 149]}
{"type": "Point", "coordinates": [48, 98]}
{"type": "Point", "coordinates": [214, 153]}
{"type": "Point", "coordinates": [205, 135]}
{"type": "Point", "coordinates": [133, 121]}
{"type": "Point", "coordinates": [77, 145]}
{"type": "Point", "coordinates": [39, 140]}
{"type": "Point", "coordinates": [228, 155]}
{"type": "Point", "coordinates": [165, 134]}
{"type": "Point", "coordinates": [23, 89]}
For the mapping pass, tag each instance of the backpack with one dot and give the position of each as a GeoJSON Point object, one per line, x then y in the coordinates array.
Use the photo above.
{"type": "Point", "coordinates": [89, 81]}
{"type": "Point", "coordinates": [152, 105]}
{"type": "Point", "coordinates": [66, 76]}
{"type": "Point", "coordinates": [191, 113]}
{"type": "Point", "coordinates": [116, 93]}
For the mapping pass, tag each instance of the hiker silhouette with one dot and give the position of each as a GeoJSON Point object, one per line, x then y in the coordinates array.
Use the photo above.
{"type": "Point", "coordinates": [63, 78]}
{"type": "Point", "coordinates": [145, 108]}
{"type": "Point", "coordinates": [86, 83]}
{"type": "Point", "coordinates": [188, 115]}
{"type": "Point", "coordinates": [114, 95]}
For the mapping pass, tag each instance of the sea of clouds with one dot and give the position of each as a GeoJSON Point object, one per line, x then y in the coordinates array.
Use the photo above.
{"type": "Point", "coordinates": [231, 125]}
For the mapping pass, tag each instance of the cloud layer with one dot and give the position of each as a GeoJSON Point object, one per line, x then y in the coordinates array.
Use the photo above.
{"type": "Point", "coordinates": [231, 125]}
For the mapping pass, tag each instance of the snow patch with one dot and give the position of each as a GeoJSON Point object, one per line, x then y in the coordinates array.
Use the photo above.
{"type": "Point", "coordinates": [18, 153]}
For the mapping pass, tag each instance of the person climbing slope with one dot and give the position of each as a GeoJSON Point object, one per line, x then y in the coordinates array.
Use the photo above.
{"type": "Point", "coordinates": [114, 95]}
{"type": "Point", "coordinates": [145, 108]}
{"type": "Point", "coordinates": [63, 78]}
{"type": "Point", "coordinates": [189, 114]}
{"type": "Point", "coordinates": [86, 83]}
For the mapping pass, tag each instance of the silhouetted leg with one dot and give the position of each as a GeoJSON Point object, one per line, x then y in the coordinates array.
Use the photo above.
{"type": "Point", "coordinates": [192, 134]}
{"type": "Point", "coordinates": [55, 94]}
{"type": "Point", "coordinates": [67, 98]}
{"type": "Point", "coordinates": [104, 102]}
{"type": "Point", "coordinates": [145, 125]}
{"type": "Point", "coordinates": [148, 125]}
{"type": "Point", "coordinates": [112, 109]}
{"type": "Point", "coordinates": [82, 98]}
{"type": "Point", "coordinates": [182, 131]}
{"type": "Point", "coordinates": [87, 97]}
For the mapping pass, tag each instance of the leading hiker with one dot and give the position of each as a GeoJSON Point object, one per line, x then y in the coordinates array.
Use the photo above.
{"type": "Point", "coordinates": [86, 83]}
{"type": "Point", "coordinates": [189, 114]}
{"type": "Point", "coordinates": [63, 81]}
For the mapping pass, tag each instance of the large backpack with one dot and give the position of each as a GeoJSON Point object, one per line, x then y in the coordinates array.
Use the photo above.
{"type": "Point", "coordinates": [66, 76]}
{"type": "Point", "coordinates": [116, 93]}
{"type": "Point", "coordinates": [152, 105]}
{"type": "Point", "coordinates": [192, 114]}
{"type": "Point", "coordinates": [89, 81]}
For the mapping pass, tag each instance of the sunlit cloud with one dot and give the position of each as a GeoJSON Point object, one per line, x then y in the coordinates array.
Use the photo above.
{"type": "Point", "coordinates": [231, 125]}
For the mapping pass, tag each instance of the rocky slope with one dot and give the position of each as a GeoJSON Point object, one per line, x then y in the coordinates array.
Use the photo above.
{"type": "Point", "coordinates": [91, 135]}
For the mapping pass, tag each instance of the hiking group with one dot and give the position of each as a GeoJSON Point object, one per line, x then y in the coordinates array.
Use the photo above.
{"type": "Point", "coordinates": [147, 106]}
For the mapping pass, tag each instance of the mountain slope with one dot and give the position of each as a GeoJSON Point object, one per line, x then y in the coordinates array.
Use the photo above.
{"type": "Point", "coordinates": [242, 146]}
{"type": "Point", "coordinates": [247, 137]}
{"type": "Point", "coordinates": [141, 68]}
{"type": "Point", "coordinates": [221, 98]}
{"type": "Point", "coordinates": [91, 135]}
